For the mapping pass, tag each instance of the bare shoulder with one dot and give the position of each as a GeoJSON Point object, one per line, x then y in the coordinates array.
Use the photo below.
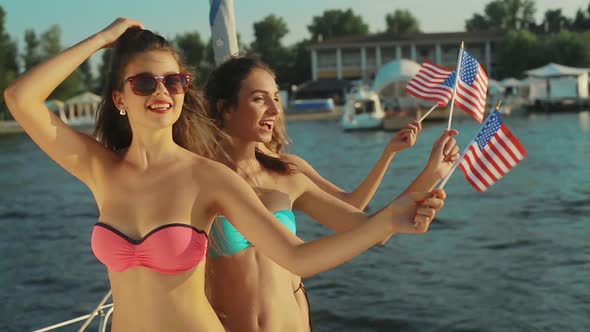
{"type": "Point", "coordinates": [295, 159]}
{"type": "Point", "coordinates": [301, 164]}
{"type": "Point", "coordinates": [212, 175]}
{"type": "Point", "coordinates": [296, 183]}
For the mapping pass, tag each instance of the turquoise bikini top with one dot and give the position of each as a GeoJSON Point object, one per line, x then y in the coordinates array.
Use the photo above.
{"type": "Point", "coordinates": [228, 241]}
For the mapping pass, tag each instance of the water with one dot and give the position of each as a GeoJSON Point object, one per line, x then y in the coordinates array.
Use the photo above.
{"type": "Point", "coordinates": [514, 258]}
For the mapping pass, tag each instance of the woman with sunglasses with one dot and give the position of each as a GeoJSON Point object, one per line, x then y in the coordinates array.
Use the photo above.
{"type": "Point", "coordinates": [247, 289]}
{"type": "Point", "coordinates": [156, 198]}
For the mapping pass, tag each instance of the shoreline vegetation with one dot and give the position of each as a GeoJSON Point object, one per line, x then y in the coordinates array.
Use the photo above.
{"type": "Point", "coordinates": [555, 38]}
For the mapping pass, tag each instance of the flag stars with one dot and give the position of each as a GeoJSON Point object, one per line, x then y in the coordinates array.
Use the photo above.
{"type": "Point", "coordinates": [490, 128]}
{"type": "Point", "coordinates": [469, 68]}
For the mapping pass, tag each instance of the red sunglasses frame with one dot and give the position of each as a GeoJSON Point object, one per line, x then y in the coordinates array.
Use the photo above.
{"type": "Point", "coordinates": [158, 79]}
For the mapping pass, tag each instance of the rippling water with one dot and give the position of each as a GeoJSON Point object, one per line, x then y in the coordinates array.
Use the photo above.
{"type": "Point", "coordinates": [515, 258]}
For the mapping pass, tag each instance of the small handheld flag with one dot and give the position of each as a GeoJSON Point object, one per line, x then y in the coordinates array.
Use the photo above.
{"type": "Point", "coordinates": [472, 87]}
{"type": "Point", "coordinates": [428, 84]}
{"type": "Point", "coordinates": [493, 153]}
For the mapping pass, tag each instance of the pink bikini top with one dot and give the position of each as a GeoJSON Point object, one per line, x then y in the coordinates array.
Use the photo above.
{"type": "Point", "coordinates": [169, 249]}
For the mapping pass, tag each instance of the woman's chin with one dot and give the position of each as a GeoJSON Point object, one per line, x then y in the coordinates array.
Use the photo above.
{"type": "Point", "coordinates": [265, 139]}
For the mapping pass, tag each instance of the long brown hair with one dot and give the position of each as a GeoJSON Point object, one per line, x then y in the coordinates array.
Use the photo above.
{"type": "Point", "coordinates": [193, 130]}
{"type": "Point", "coordinates": [224, 85]}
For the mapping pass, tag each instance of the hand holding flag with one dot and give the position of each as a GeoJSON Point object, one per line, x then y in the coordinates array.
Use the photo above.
{"type": "Point", "coordinates": [493, 153]}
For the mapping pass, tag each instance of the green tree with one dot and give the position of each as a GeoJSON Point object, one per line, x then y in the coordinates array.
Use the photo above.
{"type": "Point", "coordinates": [336, 23]}
{"type": "Point", "coordinates": [567, 48]}
{"type": "Point", "coordinates": [51, 41]}
{"type": "Point", "coordinates": [503, 14]}
{"type": "Point", "coordinates": [299, 67]}
{"type": "Point", "coordinates": [555, 21]}
{"type": "Point", "coordinates": [477, 23]}
{"type": "Point", "coordinates": [86, 76]}
{"type": "Point", "coordinates": [8, 63]}
{"type": "Point", "coordinates": [103, 69]}
{"type": "Point", "coordinates": [31, 57]}
{"type": "Point", "coordinates": [50, 44]}
{"type": "Point", "coordinates": [267, 44]}
{"type": "Point", "coordinates": [520, 13]}
{"type": "Point", "coordinates": [268, 34]}
{"type": "Point", "coordinates": [519, 51]}
{"type": "Point", "coordinates": [402, 21]}
{"type": "Point", "coordinates": [582, 20]}
{"type": "Point", "coordinates": [192, 47]}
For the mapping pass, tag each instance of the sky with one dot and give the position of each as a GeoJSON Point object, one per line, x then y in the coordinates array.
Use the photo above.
{"type": "Point", "coordinates": [79, 19]}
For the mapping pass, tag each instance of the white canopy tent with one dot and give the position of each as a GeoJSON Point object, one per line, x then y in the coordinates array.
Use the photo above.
{"type": "Point", "coordinates": [395, 71]}
{"type": "Point", "coordinates": [392, 78]}
{"type": "Point", "coordinates": [559, 82]}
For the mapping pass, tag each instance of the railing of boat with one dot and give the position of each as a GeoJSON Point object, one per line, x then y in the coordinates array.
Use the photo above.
{"type": "Point", "coordinates": [103, 310]}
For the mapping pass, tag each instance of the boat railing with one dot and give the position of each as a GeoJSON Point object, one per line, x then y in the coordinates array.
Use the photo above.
{"type": "Point", "coordinates": [103, 310]}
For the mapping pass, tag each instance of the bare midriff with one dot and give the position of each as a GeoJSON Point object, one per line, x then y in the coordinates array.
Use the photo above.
{"type": "Point", "coordinates": [255, 292]}
{"type": "Point", "coordinates": [149, 301]}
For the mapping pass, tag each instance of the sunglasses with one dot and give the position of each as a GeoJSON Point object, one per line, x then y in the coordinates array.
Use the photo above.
{"type": "Point", "coordinates": [146, 84]}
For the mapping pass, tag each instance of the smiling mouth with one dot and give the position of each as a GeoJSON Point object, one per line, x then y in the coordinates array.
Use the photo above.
{"type": "Point", "coordinates": [266, 124]}
{"type": "Point", "coordinates": [160, 108]}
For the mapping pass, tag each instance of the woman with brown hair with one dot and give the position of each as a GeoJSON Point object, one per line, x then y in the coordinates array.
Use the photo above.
{"type": "Point", "coordinates": [247, 289]}
{"type": "Point", "coordinates": [157, 199]}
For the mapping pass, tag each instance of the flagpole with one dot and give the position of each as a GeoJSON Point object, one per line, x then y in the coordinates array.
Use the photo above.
{"type": "Point", "coordinates": [458, 73]}
{"type": "Point", "coordinates": [429, 111]}
{"type": "Point", "coordinates": [446, 179]}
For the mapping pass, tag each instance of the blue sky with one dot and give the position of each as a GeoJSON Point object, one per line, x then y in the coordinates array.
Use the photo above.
{"type": "Point", "coordinates": [80, 18]}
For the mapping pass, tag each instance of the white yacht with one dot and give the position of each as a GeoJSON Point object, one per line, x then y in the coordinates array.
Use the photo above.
{"type": "Point", "coordinates": [362, 110]}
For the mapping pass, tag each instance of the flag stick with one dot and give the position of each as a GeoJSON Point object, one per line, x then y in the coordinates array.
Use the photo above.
{"type": "Point", "coordinates": [458, 73]}
{"type": "Point", "coordinates": [429, 111]}
{"type": "Point", "coordinates": [446, 179]}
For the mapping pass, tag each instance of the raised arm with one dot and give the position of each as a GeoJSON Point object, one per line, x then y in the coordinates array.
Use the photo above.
{"type": "Point", "coordinates": [362, 195]}
{"type": "Point", "coordinates": [235, 199]}
{"type": "Point", "coordinates": [25, 98]}
{"type": "Point", "coordinates": [444, 154]}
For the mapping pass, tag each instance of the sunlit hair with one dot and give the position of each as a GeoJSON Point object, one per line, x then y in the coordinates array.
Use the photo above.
{"type": "Point", "coordinates": [224, 84]}
{"type": "Point", "coordinates": [193, 130]}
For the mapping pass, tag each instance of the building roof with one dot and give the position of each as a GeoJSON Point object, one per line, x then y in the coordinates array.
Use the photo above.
{"type": "Point", "coordinates": [510, 81]}
{"type": "Point", "coordinates": [555, 70]}
{"type": "Point", "coordinates": [385, 38]}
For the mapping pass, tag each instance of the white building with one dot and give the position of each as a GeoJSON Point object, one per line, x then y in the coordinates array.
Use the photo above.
{"type": "Point", "coordinates": [359, 57]}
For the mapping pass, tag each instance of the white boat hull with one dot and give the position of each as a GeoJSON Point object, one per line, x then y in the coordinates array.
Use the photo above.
{"type": "Point", "coordinates": [362, 121]}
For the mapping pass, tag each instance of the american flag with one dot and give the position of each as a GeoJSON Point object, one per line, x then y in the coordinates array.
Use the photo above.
{"type": "Point", "coordinates": [428, 84]}
{"type": "Point", "coordinates": [492, 154]}
{"type": "Point", "coordinates": [473, 87]}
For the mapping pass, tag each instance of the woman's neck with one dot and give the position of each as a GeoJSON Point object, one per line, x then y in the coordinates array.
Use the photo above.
{"type": "Point", "coordinates": [242, 153]}
{"type": "Point", "coordinates": [151, 148]}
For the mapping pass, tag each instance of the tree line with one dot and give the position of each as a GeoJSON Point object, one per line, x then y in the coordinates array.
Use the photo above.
{"type": "Point", "coordinates": [526, 44]}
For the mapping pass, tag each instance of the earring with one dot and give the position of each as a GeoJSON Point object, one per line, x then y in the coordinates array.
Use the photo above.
{"type": "Point", "coordinates": [122, 111]}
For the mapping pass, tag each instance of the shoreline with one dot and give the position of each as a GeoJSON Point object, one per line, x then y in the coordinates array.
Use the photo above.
{"type": "Point", "coordinates": [307, 116]}
{"type": "Point", "coordinates": [11, 127]}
